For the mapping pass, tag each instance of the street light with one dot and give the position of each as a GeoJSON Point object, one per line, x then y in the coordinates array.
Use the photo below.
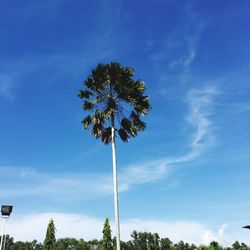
{"type": "Point", "coordinates": [247, 227]}
{"type": "Point", "coordinates": [5, 211]}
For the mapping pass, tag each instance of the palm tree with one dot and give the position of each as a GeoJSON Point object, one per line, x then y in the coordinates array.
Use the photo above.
{"type": "Point", "coordinates": [114, 103]}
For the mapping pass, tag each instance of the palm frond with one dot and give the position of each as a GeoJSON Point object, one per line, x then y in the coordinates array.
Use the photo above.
{"type": "Point", "coordinates": [129, 127]}
{"type": "Point", "coordinates": [97, 130]}
{"type": "Point", "coordinates": [84, 94]}
{"type": "Point", "coordinates": [106, 135]}
{"type": "Point", "coordinates": [87, 105]}
{"type": "Point", "coordinates": [123, 134]}
{"type": "Point", "coordinates": [86, 121]}
{"type": "Point", "coordinates": [142, 105]}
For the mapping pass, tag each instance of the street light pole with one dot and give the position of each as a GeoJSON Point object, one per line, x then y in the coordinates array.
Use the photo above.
{"type": "Point", "coordinates": [5, 211]}
{"type": "Point", "coordinates": [4, 223]}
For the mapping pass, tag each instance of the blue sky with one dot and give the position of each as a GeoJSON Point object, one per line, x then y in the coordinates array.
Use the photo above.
{"type": "Point", "coordinates": [186, 177]}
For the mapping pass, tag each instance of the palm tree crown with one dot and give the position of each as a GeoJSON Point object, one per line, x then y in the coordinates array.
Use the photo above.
{"type": "Point", "coordinates": [113, 99]}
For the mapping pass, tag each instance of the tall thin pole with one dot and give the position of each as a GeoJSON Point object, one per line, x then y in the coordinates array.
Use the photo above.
{"type": "Point", "coordinates": [117, 224]}
{"type": "Point", "coordinates": [4, 223]}
{"type": "Point", "coordinates": [4, 242]}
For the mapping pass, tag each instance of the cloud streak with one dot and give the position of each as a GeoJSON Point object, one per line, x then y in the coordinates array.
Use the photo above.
{"type": "Point", "coordinates": [200, 102]}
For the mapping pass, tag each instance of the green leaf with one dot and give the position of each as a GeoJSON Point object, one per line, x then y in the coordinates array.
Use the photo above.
{"type": "Point", "coordinates": [128, 126]}
{"type": "Point", "coordinates": [106, 135]}
{"type": "Point", "coordinates": [142, 105]}
{"type": "Point", "coordinates": [111, 104]}
{"type": "Point", "coordinates": [139, 86]}
{"type": "Point", "coordinates": [87, 105]}
{"type": "Point", "coordinates": [123, 135]}
{"type": "Point", "coordinates": [86, 121]}
{"type": "Point", "coordinates": [85, 94]}
{"type": "Point", "coordinates": [140, 125]}
{"type": "Point", "coordinates": [97, 117]}
{"type": "Point", "coordinates": [97, 130]}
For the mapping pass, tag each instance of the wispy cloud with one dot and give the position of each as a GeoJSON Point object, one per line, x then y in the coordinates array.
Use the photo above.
{"type": "Point", "coordinates": [182, 41]}
{"type": "Point", "coordinates": [30, 182]}
{"type": "Point", "coordinates": [184, 61]}
{"type": "Point", "coordinates": [73, 184]}
{"type": "Point", "coordinates": [52, 68]}
{"type": "Point", "coordinates": [192, 31]}
{"type": "Point", "coordinates": [88, 228]}
{"type": "Point", "coordinates": [6, 85]}
{"type": "Point", "coordinates": [201, 103]}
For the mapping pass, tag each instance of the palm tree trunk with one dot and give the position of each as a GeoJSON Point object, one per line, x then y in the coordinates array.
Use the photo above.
{"type": "Point", "coordinates": [117, 224]}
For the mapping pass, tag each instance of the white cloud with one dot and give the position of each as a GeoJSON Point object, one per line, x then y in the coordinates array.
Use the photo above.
{"type": "Point", "coordinates": [142, 173]}
{"type": "Point", "coordinates": [29, 227]}
{"type": "Point", "coordinates": [218, 236]}
{"type": "Point", "coordinates": [67, 225]}
{"type": "Point", "coordinates": [29, 182]}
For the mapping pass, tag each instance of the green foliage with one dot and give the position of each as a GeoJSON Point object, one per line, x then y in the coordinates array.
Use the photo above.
{"type": "Point", "coordinates": [145, 240]}
{"type": "Point", "coordinates": [19, 245]}
{"type": "Point", "coordinates": [7, 241]}
{"type": "Point", "coordinates": [106, 236]}
{"type": "Point", "coordinates": [139, 241]}
{"type": "Point", "coordinates": [165, 244]}
{"type": "Point", "coordinates": [111, 97]}
{"type": "Point", "coordinates": [237, 246]}
{"type": "Point", "coordinates": [183, 246]}
{"type": "Point", "coordinates": [71, 243]}
{"type": "Point", "coordinates": [215, 246]}
{"type": "Point", "coordinates": [50, 239]}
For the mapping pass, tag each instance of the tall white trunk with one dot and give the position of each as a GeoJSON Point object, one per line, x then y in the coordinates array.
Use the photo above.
{"type": "Point", "coordinates": [117, 224]}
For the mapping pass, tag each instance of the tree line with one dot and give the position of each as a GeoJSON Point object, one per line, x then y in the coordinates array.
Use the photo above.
{"type": "Point", "coordinates": [139, 241]}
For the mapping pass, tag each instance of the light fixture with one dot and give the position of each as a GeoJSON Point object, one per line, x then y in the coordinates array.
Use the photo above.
{"type": "Point", "coordinates": [5, 211]}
